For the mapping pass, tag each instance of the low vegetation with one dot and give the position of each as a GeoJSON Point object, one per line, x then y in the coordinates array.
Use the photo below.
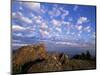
{"type": "Point", "coordinates": [34, 58]}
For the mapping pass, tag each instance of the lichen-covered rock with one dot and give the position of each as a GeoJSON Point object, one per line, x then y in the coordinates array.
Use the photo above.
{"type": "Point", "coordinates": [27, 54]}
{"type": "Point", "coordinates": [50, 64]}
{"type": "Point", "coordinates": [53, 62]}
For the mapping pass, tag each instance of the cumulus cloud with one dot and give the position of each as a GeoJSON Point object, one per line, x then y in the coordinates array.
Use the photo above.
{"type": "Point", "coordinates": [58, 29]}
{"type": "Point", "coordinates": [32, 6]}
{"type": "Point", "coordinates": [43, 26]}
{"type": "Point", "coordinates": [80, 30]}
{"type": "Point", "coordinates": [21, 17]}
{"type": "Point", "coordinates": [16, 14]}
{"type": "Point", "coordinates": [58, 13]}
{"type": "Point", "coordinates": [65, 14]}
{"type": "Point", "coordinates": [44, 33]}
{"type": "Point", "coordinates": [87, 29]}
{"type": "Point", "coordinates": [60, 26]}
{"type": "Point", "coordinates": [66, 22]}
{"type": "Point", "coordinates": [56, 22]}
{"type": "Point", "coordinates": [18, 28]}
{"type": "Point", "coordinates": [43, 11]}
{"type": "Point", "coordinates": [38, 19]}
{"type": "Point", "coordinates": [27, 20]}
{"type": "Point", "coordinates": [18, 34]}
{"type": "Point", "coordinates": [79, 27]}
{"type": "Point", "coordinates": [54, 12]}
{"type": "Point", "coordinates": [82, 20]}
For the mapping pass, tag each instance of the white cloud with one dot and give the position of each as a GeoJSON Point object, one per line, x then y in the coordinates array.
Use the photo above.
{"type": "Point", "coordinates": [44, 33]}
{"type": "Point", "coordinates": [61, 9]}
{"type": "Point", "coordinates": [21, 8]}
{"type": "Point", "coordinates": [16, 41]}
{"type": "Point", "coordinates": [61, 43]}
{"type": "Point", "coordinates": [18, 28]}
{"type": "Point", "coordinates": [73, 33]}
{"type": "Point", "coordinates": [32, 6]}
{"type": "Point", "coordinates": [17, 44]}
{"type": "Point", "coordinates": [80, 31]}
{"type": "Point", "coordinates": [18, 34]}
{"type": "Point", "coordinates": [58, 13]}
{"type": "Point", "coordinates": [16, 14]}
{"type": "Point", "coordinates": [67, 43]}
{"type": "Point", "coordinates": [31, 29]}
{"type": "Point", "coordinates": [79, 27]}
{"type": "Point", "coordinates": [13, 14]}
{"type": "Point", "coordinates": [94, 35]}
{"type": "Point", "coordinates": [87, 29]}
{"type": "Point", "coordinates": [43, 11]}
{"type": "Point", "coordinates": [58, 29]}
{"type": "Point", "coordinates": [23, 35]}
{"type": "Point", "coordinates": [82, 20]}
{"type": "Point", "coordinates": [68, 32]}
{"type": "Point", "coordinates": [66, 22]}
{"type": "Point", "coordinates": [25, 19]}
{"type": "Point", "coordinates": [29, 35]}
{"type": "Point", "coordinates": [20, 16]}
{"type": "Point", "coordinates": [50, 13]}
{"type": "Point", "coordinates": [79, 34]}
{"type": "Point", "coordinates": [54, 12]}
{"type": "Point", "coordinates": [31, 15]}
{"type": "Point", "coordinates": [65, 14]}
{"type": "Point", "coordinates": [75, 8]}
{"type": "Point", "coordinates": [44, 26]}
{"type": "Point", "coordinates": [56, 22]}
{"type": "Point", "coordinates": [38, 19]}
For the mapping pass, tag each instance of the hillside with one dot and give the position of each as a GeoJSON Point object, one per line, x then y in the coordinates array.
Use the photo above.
{"type": "Point", "coordinates": [34, 58]}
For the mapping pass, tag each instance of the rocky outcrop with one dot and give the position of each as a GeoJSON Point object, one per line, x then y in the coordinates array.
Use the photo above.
{"type": "Point", "coordinates": [29, 53]}
{"type": "Point", "coordinates": [53, 62]}
{"type": "Point", "coordinates": [34, 58]}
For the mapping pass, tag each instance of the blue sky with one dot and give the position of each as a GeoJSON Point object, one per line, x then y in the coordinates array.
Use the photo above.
{"type": "Point", "coordinates": [63, 24]}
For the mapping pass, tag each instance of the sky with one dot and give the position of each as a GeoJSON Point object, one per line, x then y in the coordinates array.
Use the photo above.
{"type": "Point", "coordinates": [61, 24]}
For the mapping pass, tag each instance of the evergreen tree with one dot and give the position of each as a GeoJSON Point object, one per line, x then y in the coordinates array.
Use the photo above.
{"type": "Point", "coordinates": [88, 55]}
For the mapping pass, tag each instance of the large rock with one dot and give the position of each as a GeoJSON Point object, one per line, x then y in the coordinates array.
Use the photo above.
{"type": "Point", "coordinates": [53, 62]}
{"type": "Point", "coordinates": [27, 54]}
